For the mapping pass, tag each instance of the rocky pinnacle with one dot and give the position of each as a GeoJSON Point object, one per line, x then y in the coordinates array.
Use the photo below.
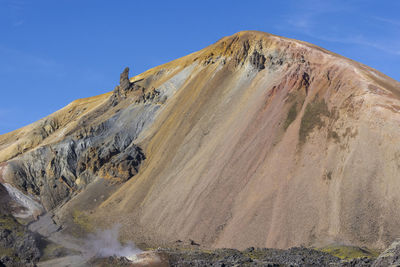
{"type": "Point", "coordinates": [124, 80]}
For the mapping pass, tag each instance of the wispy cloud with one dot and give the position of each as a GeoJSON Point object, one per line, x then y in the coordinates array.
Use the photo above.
{"type": "Point", "coordinates": [16, 60]}
{"type": "Point", "coordinates": [305, 18]}
{"type": "Point", "coordinates": [360, 40]}
{"type": "Point", "coordinates": [389, 21]}
{"type": "Point", "coordinates": [13, 11]}
{"type": "Point", "coordinates": [321, 20]}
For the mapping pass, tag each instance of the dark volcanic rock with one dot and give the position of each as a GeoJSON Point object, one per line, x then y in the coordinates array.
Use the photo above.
{"type": "Point", "coordinates": [258, 60]}
{"type": "Point", "coordinates": [358, 262]}
{"type": "Point", "coordinates": [250, 257]}
{"type": "Point", "coordinates": [18, 246]}
{"type": "Point", "coordinates": [116, 159]}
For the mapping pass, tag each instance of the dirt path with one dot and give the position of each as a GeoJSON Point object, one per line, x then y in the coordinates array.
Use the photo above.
{"type": "Point", "coordinates": [68, 261]}
{"type": "Point", "coordinates": [46, 227]}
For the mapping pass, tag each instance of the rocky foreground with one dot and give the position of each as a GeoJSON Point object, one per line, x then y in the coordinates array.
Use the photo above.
{"type": "Point", "coordinates": [19, 246]}
{"type": "Point", "coordinates": [251, 257]}
{"type": "Point", "coordinates": [297, 256]}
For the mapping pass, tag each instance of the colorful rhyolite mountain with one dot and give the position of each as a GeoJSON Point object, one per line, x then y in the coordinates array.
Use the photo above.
{"type": "Point", "coordinates": [256, 140]}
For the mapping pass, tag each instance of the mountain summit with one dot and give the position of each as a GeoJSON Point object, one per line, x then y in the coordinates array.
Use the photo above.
{"type": "Point", "coordinates": [256, 140]}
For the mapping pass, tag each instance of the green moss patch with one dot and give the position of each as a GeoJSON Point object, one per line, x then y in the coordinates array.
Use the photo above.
{"type": "Point", "coordinates": [291, 116]}
{"type": "Point", "coordinates": [349, 252]}
{"type": "Point", "coordinates": [5, 251]}
{"type": "Point", "coordinates": [82, 220]}
{"type": "Point", "coordinates": [312, 118]}
{"type": "Point", "coordinates": [8, 222]}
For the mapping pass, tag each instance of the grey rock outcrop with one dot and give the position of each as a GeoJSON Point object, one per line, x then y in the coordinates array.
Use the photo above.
{"type": "Point", "coordinates": [55, 172]}
{"type": "Point", "coordinates": [390, 257]}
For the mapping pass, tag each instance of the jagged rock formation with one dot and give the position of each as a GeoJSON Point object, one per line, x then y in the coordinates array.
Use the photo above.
{"type": "Point", "coordinates": [56, 171]}
{"type": "Point", "coordinates": [124, 82]}
{"type": "Point", "coordinates": [256, 140]}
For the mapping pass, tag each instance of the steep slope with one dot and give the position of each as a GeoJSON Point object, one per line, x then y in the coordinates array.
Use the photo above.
{"type": "Point", "coordinates": [256, 140]}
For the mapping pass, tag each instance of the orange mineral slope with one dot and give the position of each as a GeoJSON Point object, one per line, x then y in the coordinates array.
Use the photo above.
{"type": "Point", "coordinates": [270, 142]}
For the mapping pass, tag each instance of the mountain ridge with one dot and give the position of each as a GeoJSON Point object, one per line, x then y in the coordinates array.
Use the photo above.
{"type": "Point", "coordinates": [206, 53]}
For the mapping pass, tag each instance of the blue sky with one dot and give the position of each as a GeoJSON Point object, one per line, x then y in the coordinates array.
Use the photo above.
{"type": "Point", "coordinates": [52, 52]}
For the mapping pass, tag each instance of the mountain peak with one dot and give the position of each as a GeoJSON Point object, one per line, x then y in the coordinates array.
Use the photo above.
{"type": "Point", "coordinates": [256, 140]}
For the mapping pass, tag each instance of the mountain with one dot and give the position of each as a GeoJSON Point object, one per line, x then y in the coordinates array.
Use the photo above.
{"type": "Point", "coordinates": [256, 140]}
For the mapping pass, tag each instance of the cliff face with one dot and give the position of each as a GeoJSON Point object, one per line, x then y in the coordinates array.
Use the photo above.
{"type": "Point", "coordinates": [256, 140]}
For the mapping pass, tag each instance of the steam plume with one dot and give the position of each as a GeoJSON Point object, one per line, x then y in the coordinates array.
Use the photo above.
{"type": "Point", "coordinates": [105, 243]}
